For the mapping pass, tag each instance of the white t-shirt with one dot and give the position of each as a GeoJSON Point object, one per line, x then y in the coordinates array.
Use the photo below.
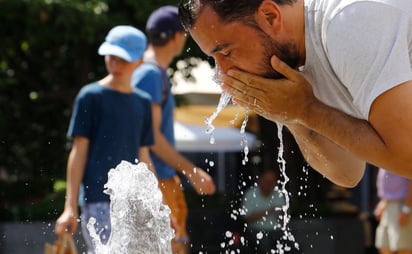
{"type": "Point", "coordinates": [357, 50]}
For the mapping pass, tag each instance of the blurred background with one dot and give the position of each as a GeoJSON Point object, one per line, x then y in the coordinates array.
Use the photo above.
{"type": "Point", "coordinates": [48, 51]}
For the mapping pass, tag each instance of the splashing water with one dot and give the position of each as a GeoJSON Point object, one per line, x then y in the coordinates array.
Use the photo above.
{"type": "Point", "coordinates": [287, 234]}
{"type": "Point", "coordinates": [140, 221]}
{"type": "Point", "coordinates": [224, 100]}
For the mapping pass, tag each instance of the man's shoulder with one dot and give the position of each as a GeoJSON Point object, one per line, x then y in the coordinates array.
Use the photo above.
{"type": "Point", "coordinates": [143, 94]}
{"type": "Point", "coordinates": [146, 68]}
{"type": "Point", "coordinates": [146, 72]}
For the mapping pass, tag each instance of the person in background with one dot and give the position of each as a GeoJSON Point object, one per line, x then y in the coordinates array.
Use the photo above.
{"type": "Point", "coordinates": [262, 204]}
{"type": "Point", "coordinates": [393, 211]}
{"type": "Point", "coordinates": [166, 41]}
{"type": "Point", "coordinates": [111, 122]}
{"type": "Point", "coordinates": [323, 70]}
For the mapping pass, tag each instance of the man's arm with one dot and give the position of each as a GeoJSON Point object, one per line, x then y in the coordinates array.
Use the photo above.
{"type": "Point", "coordinates": [199, 179]}
{"type": "Point", "coordinates": [385, 140]}
{"type": "Point", "coordinates": [334, 143]}
{"type": "Point", "coordinates": [76, 163]}
{"type": "Point", "coordinates": [336, 164]}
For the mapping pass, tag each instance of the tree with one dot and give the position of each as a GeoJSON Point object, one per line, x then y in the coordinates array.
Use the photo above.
{"type": "Point", "coordinates": [48, 51]}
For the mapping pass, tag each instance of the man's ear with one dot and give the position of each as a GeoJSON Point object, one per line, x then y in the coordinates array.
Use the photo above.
{"type": "Point", "coordinates": [269, 17]}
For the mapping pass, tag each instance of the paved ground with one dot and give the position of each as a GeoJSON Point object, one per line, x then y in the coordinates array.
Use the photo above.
{"type": "Point", "coordinates": [29, 238]}
{"type": "Point", "coordinates": [208, 232]}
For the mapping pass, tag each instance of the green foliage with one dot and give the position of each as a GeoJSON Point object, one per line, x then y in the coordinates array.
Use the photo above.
{"type": "Point", "coordinates": [30, 200]}
{"type": "Point", "coordinates": [48, 52]}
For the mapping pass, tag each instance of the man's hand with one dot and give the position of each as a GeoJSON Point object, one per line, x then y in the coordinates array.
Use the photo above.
{"type": "Point", "coordinates": [281, 100]}
{"type": "Point", "coordinates": [201, 181]}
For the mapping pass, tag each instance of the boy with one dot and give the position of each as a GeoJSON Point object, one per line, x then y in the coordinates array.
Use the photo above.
{"type": "Point", "coordinates": [111, 121]}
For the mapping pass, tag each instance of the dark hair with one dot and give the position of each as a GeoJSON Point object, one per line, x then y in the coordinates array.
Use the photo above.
{"type": "Point", "coordinates": [227, 10]}
{"type": "Point", "coordinates": [159, 38]}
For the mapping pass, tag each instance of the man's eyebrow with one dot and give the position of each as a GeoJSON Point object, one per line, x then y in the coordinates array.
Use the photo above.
{"type": "Point", "coordinates": [219, 48]}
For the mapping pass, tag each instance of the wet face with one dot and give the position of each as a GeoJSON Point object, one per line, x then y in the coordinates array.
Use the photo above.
{"type": "Point", "coordinates": [236, 45]}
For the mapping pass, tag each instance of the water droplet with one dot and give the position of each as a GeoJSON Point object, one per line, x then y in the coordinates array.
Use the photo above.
{"type": "Point", "coordinates": [228, 234]}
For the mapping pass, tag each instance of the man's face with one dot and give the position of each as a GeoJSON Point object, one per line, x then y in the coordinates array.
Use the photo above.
{"type": "Point", "coordinates": [235, 45]}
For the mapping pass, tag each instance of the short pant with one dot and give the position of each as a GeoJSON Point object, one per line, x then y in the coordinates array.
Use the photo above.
{"type": "Point", "coordinates": [389, 234]}
{"type": "Point", "coordinates": [174, 197]}
{"type": "Point", "coordinates": [101, 212]}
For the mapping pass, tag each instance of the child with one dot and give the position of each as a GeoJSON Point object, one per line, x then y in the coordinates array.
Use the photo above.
{"type": "Point", "coordinates": [111, 122]}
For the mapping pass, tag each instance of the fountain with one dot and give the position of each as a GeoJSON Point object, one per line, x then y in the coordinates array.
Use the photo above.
{"type": "Point", "coordinates": [139, 219]}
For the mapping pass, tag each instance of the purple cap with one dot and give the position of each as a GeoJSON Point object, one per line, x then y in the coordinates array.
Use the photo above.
{"type": "Point", "coordinates": [164, 22]}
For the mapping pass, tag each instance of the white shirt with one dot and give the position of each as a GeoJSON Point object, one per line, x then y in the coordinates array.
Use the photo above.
{"type": "Point", "coordinates": [356, 50]}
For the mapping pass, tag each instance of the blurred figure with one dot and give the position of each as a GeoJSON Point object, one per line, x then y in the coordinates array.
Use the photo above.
{"type": "Point", "coordinates": [111, 122]}
{"type": "Point", "coordinates": [338, 199]}
{"type": "Point", "coordinates": [166, 41]}
{"type": "Point", "coordinates": [393, 211]}
{"type": "Point", "coordinates": [262, 204]}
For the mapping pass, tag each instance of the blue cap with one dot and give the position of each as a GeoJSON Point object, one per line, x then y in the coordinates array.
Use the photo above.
{"type": "Point", "coordinates": [126, 42]}
{"type": "Point", "coordinates": [164, 20]}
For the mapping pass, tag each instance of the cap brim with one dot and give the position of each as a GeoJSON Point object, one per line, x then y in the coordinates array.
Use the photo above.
{"type": "Point", "coordinates": [110, 49]}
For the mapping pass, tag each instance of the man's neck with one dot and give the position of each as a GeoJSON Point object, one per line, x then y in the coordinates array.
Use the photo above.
{"type": "Point", "coordinates": [162, 55]}
{"type": "Point", "coordinates": [295, 14]}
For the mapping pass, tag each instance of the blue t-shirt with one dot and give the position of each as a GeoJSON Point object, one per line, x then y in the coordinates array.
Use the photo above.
{"type": "Point", "coordinates": [116, 124]}
{"type": "Point", "coordinates": [155, 81]}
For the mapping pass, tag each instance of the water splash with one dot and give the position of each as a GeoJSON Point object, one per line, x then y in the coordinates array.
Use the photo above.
{"type": "Point", "coordinates": [224, 100]}
{"type": "Point", "coordinates": [244, 141]}
{"type": "Point", "coordinates": [140, 221]}
{"type": "Point", "coordinates": [287, 234]}
{"type": "Point", "coordinates": [282, 246]}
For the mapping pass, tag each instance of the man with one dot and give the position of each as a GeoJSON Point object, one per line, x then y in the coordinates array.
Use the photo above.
{"type": "Point", "coordinates": [336, 73]}
{"type": "Point", "coordinates": [166, 40]}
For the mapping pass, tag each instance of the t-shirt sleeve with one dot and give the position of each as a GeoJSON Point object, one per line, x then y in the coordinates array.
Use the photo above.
{"type": "Point", "coordinates": [150, 81]}
{"type": "Point", "coordinates": [369, 51]}
{"type": "Point", "coordinates": [82, 117]}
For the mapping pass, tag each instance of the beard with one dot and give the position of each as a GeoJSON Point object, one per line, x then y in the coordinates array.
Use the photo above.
{"type": "Point", "coordinates": [285, 51]}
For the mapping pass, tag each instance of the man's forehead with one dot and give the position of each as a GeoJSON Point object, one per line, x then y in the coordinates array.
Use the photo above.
{"type": "Point", "coordinates": [210, 33]}
{"type": "Point", "coordinates": [206, 31]}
